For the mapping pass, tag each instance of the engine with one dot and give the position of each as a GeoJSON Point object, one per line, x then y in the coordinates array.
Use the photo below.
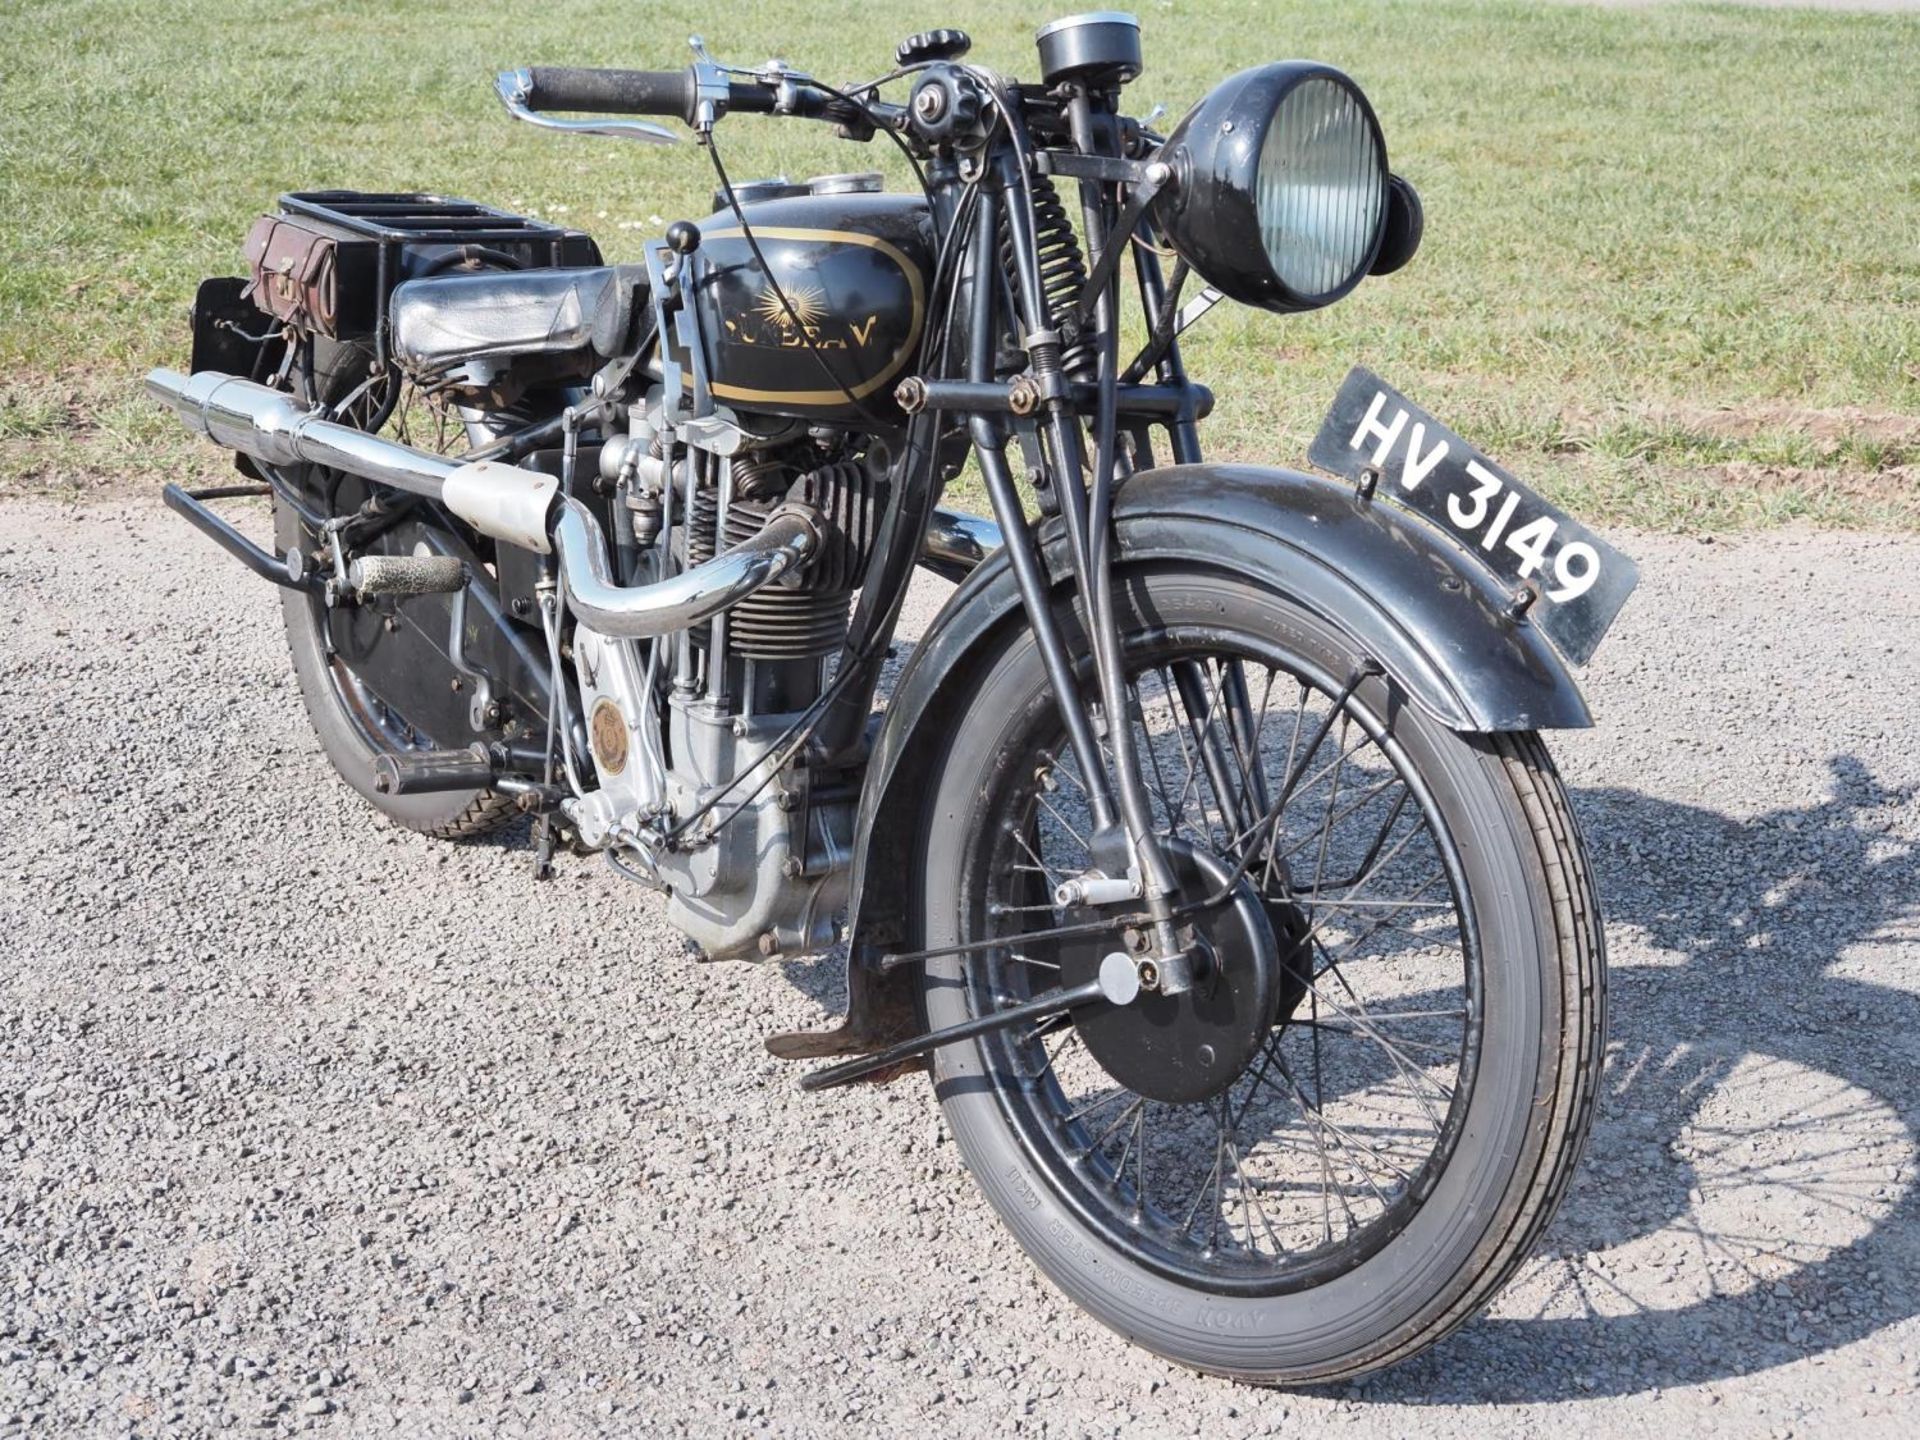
{"type": "Point", "coordinates": [753, 852]}
{"type": "Point", "coordinates": [691, 738]}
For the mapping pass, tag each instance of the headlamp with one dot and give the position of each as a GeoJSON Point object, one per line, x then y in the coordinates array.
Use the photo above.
{"type": "Point", "coordinates": [1282, 197]}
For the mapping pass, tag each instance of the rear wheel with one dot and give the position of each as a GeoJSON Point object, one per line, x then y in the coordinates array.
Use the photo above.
{"type": "Point", "coordinates": [355, 722]}
{"type": "Point", "coordinates": [1340, 1144]}
{"type": "Point", "coordinates": [356, 709]}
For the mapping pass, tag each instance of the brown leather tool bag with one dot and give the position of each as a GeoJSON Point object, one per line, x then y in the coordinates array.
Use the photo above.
{"type": "Point", "coordinates": [296, 272]}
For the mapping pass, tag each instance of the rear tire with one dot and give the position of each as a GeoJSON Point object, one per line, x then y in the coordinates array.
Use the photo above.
{"type": "Point", "coordinates": [1519, 1104]}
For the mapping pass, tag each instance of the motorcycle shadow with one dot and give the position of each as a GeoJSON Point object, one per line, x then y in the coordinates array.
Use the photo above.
{"type": "Point", "coordinates": [1747, 1196]}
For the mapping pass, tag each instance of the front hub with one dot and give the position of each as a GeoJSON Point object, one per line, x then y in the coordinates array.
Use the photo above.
{"type": "Point", "coordinates": [1193, 1045]}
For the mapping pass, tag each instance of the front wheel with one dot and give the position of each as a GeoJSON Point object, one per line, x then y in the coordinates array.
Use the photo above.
{"type": "Point", "coordinates": [1343, 1140]}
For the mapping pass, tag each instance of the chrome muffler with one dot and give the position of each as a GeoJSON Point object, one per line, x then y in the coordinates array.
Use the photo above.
{"type": "Point", "coordinates": [271, 426]}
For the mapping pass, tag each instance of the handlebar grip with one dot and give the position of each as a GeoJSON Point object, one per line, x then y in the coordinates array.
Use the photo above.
{"type": "Point", "coordinates": [613, 92]}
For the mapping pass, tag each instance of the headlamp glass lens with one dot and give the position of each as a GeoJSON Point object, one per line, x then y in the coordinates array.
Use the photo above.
{"type": "Point", "coordinates": [1320, 194]}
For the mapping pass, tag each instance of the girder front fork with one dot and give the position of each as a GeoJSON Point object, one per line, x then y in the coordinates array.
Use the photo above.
{"type": "Point", "coordinates": [1117, 796]}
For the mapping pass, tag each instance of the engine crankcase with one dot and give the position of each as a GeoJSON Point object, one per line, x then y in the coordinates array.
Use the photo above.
{"type": "Point", "coordinates": [770, 877]}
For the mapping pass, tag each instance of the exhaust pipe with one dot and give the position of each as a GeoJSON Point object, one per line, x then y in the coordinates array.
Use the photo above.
{"type": "Point", "coordinates": [516, 505]}
{"type": "Point", "coordinates": [641, 612]}
{"type": "Point", "coordinates": [957, 544]}
{"type": "Point", "coordinates": [271, 426]}
{"type": "Point", "coordinates": [503, 501]}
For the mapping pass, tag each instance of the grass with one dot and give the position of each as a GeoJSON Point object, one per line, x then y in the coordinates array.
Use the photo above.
{"type": "Point", "coordinates": [1672, 266]}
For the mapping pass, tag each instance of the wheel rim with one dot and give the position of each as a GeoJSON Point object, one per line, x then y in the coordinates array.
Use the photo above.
{"type": "Point", "coordinates": [1329, 1141]}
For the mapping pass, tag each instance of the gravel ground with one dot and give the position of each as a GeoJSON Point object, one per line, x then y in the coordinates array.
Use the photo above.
{"type": "Point", "coordinates": [306, 1123]}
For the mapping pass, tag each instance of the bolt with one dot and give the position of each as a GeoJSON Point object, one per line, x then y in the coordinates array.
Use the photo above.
{"type": "Point", "coordinates": [1204, 1054]}
{"type": "Point", "coordinates": [769, 944]}
{"type": "Point", "coordinates": [1159, 172]}
{"type": "Point", "coordinates": [1149, 975]}
{"type": "Point", "coordinates": [930, 103]}
{"type": "Point", "coordinates": [1023, 395]}
{"type": "Point", "coordinates": [390, 624]}
{"type": "Point", "coordinates": [792, 867]}
{"type": "Point", "coordinates": [911, 395]}
{"type": "Point", "coordinates": [458, 684]}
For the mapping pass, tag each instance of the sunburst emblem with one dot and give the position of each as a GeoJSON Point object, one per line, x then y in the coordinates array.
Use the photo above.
{"type": "Point", "coordinates": [808, 301]}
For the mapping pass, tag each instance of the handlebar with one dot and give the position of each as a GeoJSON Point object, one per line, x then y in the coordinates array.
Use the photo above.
{"type": "Point", "coordinates": [612, 92]}
{"type": "Point", "coordinates": [651, 92]}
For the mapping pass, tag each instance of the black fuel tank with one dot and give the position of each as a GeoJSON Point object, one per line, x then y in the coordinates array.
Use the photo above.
{"type": "Point", "coordinates": [854, 269]}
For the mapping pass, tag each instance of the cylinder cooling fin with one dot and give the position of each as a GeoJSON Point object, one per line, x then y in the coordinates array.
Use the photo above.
{"type": "Point", "coordinates": [789, 624]}
{"type": "Point", "coordinates": [808, 620]}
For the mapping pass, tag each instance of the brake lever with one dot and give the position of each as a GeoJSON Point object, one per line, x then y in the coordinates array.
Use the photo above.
{"type": "Point", "coordinates": [514, 86]}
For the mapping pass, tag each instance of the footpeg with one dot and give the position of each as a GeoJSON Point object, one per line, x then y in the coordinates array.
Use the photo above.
{"type": "Point", "coordinates": [375, 575]}
{"type": "Point", "coordinates": [427, 772]}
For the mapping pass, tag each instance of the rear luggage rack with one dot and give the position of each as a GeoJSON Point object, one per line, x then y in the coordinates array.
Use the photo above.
{"type": "Point", "coordinates": [327, 262]}
{"type": "Point", "coordinates": [408, 218]}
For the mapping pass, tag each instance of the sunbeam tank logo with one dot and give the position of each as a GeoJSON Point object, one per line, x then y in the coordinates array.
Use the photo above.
{"type": "Point", "coordinates": [798, 317]}
{"type": "Point", "coordinates": [790, 313]}
{"type": "Point", "coordinates": [842, 314]}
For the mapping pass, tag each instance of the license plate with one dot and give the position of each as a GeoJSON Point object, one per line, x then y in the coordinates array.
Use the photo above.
{"type": "Point", "coordinates": [1379, 439]}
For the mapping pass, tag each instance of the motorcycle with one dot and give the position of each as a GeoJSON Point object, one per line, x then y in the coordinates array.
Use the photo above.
{"type": "Point", "coordinates": [1205, 852]}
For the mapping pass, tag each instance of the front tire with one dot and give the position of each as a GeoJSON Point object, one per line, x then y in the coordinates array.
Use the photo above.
{"type": "Point", "coordinates": [1439, 1144]}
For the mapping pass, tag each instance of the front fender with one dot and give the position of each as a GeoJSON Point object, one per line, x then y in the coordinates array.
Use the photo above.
{"type": "Point", "coordinates": [1409, 596]}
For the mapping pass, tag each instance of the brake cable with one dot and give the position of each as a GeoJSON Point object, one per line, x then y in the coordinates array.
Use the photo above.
{"type": "Point", "coordinates": [753, 244]}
